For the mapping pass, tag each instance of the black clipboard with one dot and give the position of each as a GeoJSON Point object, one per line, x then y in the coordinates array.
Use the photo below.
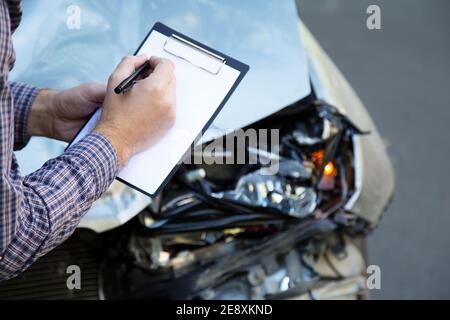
{"type": "Point", "coordinates": [225, 59]}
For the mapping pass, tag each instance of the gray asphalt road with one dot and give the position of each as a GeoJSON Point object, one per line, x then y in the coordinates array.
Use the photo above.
{"type": "Point", "coordinates": [402, 73]}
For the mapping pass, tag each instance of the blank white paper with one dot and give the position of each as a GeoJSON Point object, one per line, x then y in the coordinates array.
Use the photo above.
{"type": "Point", "coordinates": [199, 93]}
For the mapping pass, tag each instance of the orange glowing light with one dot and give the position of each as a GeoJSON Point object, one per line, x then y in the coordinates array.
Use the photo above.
{"type": "Point", "coordinates": [329, 169]}
{"type": "Point", "coordinates": [317, 157]}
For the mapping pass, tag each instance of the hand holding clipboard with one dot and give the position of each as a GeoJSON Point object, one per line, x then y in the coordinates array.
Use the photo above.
{"type": "Point", "coordinates": [205, 81]}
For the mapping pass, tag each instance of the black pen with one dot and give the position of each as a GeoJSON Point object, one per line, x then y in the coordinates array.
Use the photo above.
{"type": "Point", "coordinates": [128, 83]}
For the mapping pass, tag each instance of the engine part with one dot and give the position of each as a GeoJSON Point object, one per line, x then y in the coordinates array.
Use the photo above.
{"type": "Point", "coordinates": [278, 191]}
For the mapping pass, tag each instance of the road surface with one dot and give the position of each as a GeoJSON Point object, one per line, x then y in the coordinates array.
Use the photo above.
{"type": "Point", "coordinates": [402, 74]}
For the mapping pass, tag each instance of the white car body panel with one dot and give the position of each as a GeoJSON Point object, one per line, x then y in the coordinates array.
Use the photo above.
{"type": "Point", "coordinates": [266, 38]}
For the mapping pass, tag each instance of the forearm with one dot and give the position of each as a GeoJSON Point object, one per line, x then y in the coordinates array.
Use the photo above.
{"type": "Point", "coordinates": [55, 198]}
{"type": "Point", "coordinates": [33, 112]}
{"type": "Point", "coordinates": [40, 120]}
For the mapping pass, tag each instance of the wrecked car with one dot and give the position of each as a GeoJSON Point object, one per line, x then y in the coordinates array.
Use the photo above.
{"type": "Point", "coordinates": [219, 229]}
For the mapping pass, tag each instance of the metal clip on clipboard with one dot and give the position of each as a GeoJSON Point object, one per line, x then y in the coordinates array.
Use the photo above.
{"type": "Point", "coordinates": [192, 53]}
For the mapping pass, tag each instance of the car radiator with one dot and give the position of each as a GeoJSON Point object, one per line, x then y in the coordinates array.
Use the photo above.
{"type": "Point", "coordinates": [47, 278]}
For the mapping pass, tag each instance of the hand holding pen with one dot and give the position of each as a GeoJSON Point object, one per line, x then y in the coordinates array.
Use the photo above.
{"type": "Point", "coordinates": [135, 121]}
{"type": "Point", "coordinates": [129, 81]}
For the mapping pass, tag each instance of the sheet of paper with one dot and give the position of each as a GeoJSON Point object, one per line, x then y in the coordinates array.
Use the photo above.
{"type": "Point", "coordinates": [199, 93]}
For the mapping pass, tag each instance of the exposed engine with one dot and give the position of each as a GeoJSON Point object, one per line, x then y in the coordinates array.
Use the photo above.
{"type": "Point", "coordinates": [272, 228]}
{"type": "Point", "coordinates": [238, 231]}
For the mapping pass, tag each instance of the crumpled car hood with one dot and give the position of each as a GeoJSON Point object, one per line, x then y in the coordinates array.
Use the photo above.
{"type": "Point", "coordinates": [265, 36]}
{"type": "Point", "coordinates": [62, 44]}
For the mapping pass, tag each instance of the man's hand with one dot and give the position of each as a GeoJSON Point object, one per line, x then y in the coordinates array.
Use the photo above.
{"type": "Point", "coordinates": [60, 115]}
{"type": "Point", "coordinates": [139, 118]}
{"type": "Point", "coordinates": [132, 121]}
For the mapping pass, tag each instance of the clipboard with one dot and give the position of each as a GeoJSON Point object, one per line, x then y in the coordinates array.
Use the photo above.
{"type": "Point", "coordinates": [196, 66]}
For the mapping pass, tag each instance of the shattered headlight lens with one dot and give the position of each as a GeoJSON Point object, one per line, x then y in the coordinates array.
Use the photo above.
{"type": "Point", "coordinates": [278, 191]}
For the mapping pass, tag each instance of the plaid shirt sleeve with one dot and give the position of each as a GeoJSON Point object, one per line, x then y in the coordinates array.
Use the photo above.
{"type": "Point", "coordinates": [45, 207]}
{"type": "Point", "coordinates": [23, 97]}
{"type": "Point", "coordinates": [41, 210]}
